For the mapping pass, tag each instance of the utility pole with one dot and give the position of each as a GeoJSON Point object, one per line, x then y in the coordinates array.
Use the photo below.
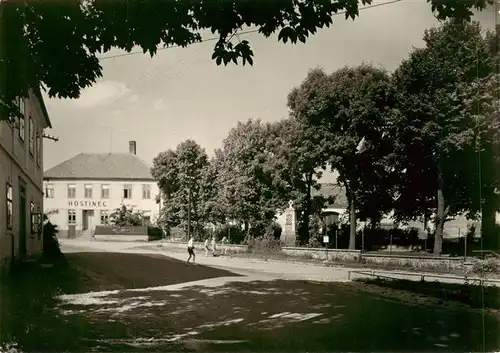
{"type": "Point", "coordinates": [189, 212]}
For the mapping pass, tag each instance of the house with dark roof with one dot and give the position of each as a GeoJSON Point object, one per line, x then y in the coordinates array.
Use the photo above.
{"type": "Point", "coordinates": [83, 191]}
{"type": "Point", "coordinates": [21, 186]}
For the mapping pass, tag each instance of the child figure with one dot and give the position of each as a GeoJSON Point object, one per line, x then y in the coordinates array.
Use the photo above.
{"type": "Point", "coordinates": [213, 246]}
{"type": "Point", "coordinates": [206, 247]}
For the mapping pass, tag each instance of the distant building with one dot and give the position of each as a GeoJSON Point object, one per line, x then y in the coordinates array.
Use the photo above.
{"type": "Point", "coordinates": [21, 185]}
{"type": "Point", "coordinates": [453, 228]}
{"type": "Point", "coordinates": [83, 191]}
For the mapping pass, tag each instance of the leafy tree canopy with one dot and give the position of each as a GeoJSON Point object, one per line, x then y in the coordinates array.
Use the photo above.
{"type": "Point", "coordinates": [55, 44]}
{"type": "Point", "coordinates": [181, 175]}
{"type": "Point", "coordinates": [350, 106]}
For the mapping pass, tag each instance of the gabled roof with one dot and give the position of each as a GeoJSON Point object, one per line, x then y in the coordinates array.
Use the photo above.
{"type": "Point", "coordinates": [101, 166]}
{"type": "Point", "coordinates": [38, 95]}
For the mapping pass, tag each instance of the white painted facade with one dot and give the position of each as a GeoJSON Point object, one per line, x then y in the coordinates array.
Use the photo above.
{"type": "Point", "coordinates": [89, 204]}
{"type": "Point", "coordinates": [21, 173]}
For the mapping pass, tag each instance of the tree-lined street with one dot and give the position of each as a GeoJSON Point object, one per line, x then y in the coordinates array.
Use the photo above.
{"type": "Point", "coordinates": [419, 143]}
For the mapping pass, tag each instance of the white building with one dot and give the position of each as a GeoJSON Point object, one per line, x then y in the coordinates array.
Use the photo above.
{"type": "Point", "coordinates": [84, 190]}
{"type": "Point", "coordinates": [21, 185]}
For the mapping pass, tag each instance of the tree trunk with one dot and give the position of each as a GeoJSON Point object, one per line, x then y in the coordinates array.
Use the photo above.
{"type": "Point", "coordinates": [352, 225]}
{"type": "Point", "coordinates": [352, 217]}
{"type": "Point", "coordinates": [440, 217]}
{"type": "Point", "coordinates": [488, 222]}
{"type": "Point", "coordinates": [307, 211]}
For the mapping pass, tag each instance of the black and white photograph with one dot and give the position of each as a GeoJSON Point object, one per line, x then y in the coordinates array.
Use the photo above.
{"type": "Point", "coordinates": [249, 176]}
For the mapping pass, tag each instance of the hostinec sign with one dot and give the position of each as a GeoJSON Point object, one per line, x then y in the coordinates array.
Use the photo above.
{"type": "Point", "coordinates": [87, 203]}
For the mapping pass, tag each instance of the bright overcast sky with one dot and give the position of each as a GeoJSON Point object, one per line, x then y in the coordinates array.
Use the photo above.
{"type": "Point", "coordinates": [182, 94]}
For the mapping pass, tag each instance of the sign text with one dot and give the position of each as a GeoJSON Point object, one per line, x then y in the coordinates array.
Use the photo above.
{"type": "Point", "coordinates": [87, 203]}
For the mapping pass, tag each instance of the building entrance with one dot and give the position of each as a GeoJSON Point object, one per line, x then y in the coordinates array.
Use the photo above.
{"type": "Point", "coordinates": [88, 219]}
{"type": "Point", "coordinates": [22, 220]}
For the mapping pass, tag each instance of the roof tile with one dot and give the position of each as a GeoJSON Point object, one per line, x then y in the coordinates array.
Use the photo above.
{"type": "Point", "coordinates": [101, 166]}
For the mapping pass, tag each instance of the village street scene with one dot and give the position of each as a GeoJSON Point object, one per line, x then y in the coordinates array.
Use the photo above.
{"type": "Point", "coordinates": [249, 176]}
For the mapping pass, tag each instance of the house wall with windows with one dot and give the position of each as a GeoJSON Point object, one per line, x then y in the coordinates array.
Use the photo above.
{"type": "Point", "coordinates": [84, 190]}
{"type": "Point", "coordinates": [87, 203]}
{"type": "Point", "coordinates": [21, 180]}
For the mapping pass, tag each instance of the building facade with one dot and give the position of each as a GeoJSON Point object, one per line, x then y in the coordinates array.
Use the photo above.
{"type": "Point", "coordinates": [21, 180]}
{"type": "Point", "coordinates": [83, 191]}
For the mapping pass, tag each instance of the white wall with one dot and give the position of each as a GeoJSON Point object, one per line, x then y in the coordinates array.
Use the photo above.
{"type": "Point", "coordinates": [60, 202]}
{"type": "Point", "coordinates": [16, 162]}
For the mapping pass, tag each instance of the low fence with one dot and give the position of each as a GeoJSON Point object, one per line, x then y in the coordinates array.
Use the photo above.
{"type": "Point", "coordinates": [444, 264]}
{"type": "Point", "coordinates": [108, 230]}
{"type": "Point", "coordinates": [415, 262]}
{"type": "Point", "coordinates": [121, 234]}
{"type": "Point", "coordinates": [422, 277]}
{"type": "Point", "coordinates": [343, 255]}
{"type": "Point", "coordinates": [121, 238]}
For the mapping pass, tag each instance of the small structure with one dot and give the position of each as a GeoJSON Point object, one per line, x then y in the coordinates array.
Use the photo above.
{"type": "Point", "coordinates": [289, 225]}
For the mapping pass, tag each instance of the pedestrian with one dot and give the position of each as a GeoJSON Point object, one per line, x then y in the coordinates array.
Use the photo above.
{"type": "Point", "coordinates": [213, 246]}
{"type": "Point", "coordinates": [206, 247]}
{"type": "Point", "coordinates": [224, 245]}
{"type": "Point", "coordinates": [191, 249]}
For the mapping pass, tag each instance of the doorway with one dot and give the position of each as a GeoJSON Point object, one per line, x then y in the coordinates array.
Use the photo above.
{"type": "Point", "coordinates": [88, 219]}
{"type": "Point", "coordinates": [22, 220]}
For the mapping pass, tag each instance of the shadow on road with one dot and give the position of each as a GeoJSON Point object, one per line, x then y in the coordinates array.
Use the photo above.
{"type": "Point", "coordinates": [238, 316]}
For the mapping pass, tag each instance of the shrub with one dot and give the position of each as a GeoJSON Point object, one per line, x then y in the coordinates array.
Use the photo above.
{"type": "Point", "coordinates": [233, 232]}
{"type": "Point", "coordinates": [51, 247]}
{"type": "Point", "coordinates": [265, 245]}
{"type": "Point", "coordinates": [314, 243]}
{"type": "Point", "coordinates": [488, 265]}
{"type": "Point", "coordinates": [155, 233]}
{"type": "Point", "coordinates": [274, 230]}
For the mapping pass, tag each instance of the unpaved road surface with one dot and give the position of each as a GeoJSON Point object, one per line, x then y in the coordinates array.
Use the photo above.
{"type": "Point", "coordinates": [117, 298]}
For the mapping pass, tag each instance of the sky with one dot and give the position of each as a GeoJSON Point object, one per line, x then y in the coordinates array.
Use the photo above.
{"type": "Point", "coordinates": [182, 94]}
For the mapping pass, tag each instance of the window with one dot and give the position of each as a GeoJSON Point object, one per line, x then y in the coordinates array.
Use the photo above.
{"type": "Point", "coordinates": [19, 102]}
{"type": "Point", "coordinates": [38, 148]}
{"type": "Point", "coordinates": [88, 191]}
{"type": "Point", "coordinates": [104, 191]}
{"type": "Point", "coordinates": [127, 191]}
{"type": "Point", "coordinates": [21, 128]}
{"type": "Point", "coordinates": [33, 218]}
{"type": "Point", "coordinates": [49, 191]}
{"type": "Point", "coordinates": [104, 217]}
{"type": "Point", "coordinates": [71, 191]}
{"type": "Point", "coordinates": [146, 191]}
{"type": "Point", "coordinates": [31, 134]}
{"type": "Point", "coordinates": [71, 216]}
{"type": "Point", "coordinates": [9, 207]}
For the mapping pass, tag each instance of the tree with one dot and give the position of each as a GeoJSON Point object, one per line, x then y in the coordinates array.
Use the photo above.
{"type": "Point", "coordinates": [249, 188]}
{"type": "Point", "coordinates": [436, 130]}
{"type": "Point", "coordinates": [55, 45]}
{"type": "Point", "coordinates": [179, 175]}
{"type": "Point", "coordinates": [299, 158]}
{"type": "Point", "coordinates": [350, 106]}
{"type": "Point", "coordinates": [125, 217]}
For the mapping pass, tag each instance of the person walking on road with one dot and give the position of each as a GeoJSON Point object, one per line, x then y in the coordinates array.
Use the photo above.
{"type": "Point", "coordinates": [224, 246]}
{"type": "Point", "coordinates": [206, 247]}
{"type": "Point", "coordinates": [213, 246]}
{"type": "Point", "coordinates": [191, 249]}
